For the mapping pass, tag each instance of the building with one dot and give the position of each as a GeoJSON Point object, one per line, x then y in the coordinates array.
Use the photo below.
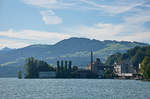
{"type": "Point", "coordinates": [88, 67]}
{"type": "Point", "coordinates": [123, 67]}
{"type": "Point", "coordinates": [117, 68]}
{"type": "Point", "coordinates": [97, 66]}
{"type": "Point", "coordinates": [51, 74]}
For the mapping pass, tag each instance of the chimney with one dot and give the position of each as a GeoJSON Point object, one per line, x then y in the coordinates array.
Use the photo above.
{"type": "Point", "coordinates": [92, 61]}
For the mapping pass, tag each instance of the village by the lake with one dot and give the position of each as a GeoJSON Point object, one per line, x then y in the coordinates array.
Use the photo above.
{"type": "Point", "coordinates": [74, 49]}
{"type": "Point", "coordinates": [95, 69]}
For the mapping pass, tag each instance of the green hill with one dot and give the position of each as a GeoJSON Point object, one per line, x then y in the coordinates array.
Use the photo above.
{"type": "Point", "coordinates": [134, 55]}
{"type": "Point", "coordinates": [75, 49]}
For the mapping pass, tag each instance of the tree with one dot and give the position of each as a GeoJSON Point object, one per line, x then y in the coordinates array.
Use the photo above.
{"type": "Point", "coordinates": [70, 64]}
{"type": "Point", "coordinates": [31, 70]}
{"type": "Point", "coordinates": [62, 66]}
{"type": "Point", "coordinates": [75, 68]}
{"type": "Point", "coordinates": [113, 58]}
{"type": "Point", "coordinates": [138, 57]}
{"type": "Point", "coordinates": [58, 67]}
{"type": "Point", "coordinates": [66, 66]}
{"type": "Point", "coordinates": [145, 68]}
{"type": "Point", "coordinates": [19, 74]}
{"type": "Point", "coordinates": [33, 67]}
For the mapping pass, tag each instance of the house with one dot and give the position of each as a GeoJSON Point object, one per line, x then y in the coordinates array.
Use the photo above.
{"type": "Point", "coordinates": [51, 74]}
{"type": "Point", "coordinates": [117, 68]}
{"type": "Point", "coordinates": [123, 67]}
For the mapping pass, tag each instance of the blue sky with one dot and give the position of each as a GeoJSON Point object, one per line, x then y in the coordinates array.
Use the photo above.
{"type": "Point", "coordinates": [26, 22]}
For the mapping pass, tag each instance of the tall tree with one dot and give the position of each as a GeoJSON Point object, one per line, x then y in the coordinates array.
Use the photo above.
{"type": "Point", "coordinates": [31, 70]}
{"type": "Point", "coordinates": [62, 66]}
{"type": "Point", "coordinates": [145, 68]}
{"type": "Point", "coordinates": [58, 67]}
{"type": "Point", "coordinates": [33, 67]}
{"type": "Point", "coordinates": [75, 68]}
{"type": "Point", "coordinates": [66, 66]}
{"type": "Point", "coordinates": [19, 74]}
{"type": "Point", "coordinates": [70, 64]}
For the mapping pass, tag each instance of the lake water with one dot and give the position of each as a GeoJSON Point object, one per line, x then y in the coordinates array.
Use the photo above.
{"type": "Point", "coordinates": [13, 88]}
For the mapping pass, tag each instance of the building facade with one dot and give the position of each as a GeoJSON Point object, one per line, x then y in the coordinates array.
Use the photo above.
{"type": "Point", "coordinates": [97, 66]}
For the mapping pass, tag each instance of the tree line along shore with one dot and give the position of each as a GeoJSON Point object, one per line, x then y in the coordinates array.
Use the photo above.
{"type": "Point", "coordinates": [138, 60]}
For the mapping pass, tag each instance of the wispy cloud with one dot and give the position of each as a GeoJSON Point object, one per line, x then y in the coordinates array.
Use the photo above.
{"type": "Point", "coordinates": [131, 29]}
{"type": "Point", "coordinates": [133, 14]}
{"type": "Point", "coordinates": [114, 6]}
{"type": "Point", "coordinates": [25, 37]}
{"type": "Point", "coordinates": [40, 2]}
{"type": "Point", "coordinates": [12, 43]}
{"type": "Point", "coordinates": [118, 32]}
{"type": "Point", "coordinates": [49, 17]}
{"type": "Point", "coordinates": [49, 4]}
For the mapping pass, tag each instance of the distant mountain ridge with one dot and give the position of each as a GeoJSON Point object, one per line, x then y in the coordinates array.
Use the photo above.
{"type": "Point", "coordinates": [5, 49]}
{"type": "Point", "coordinates": [75, 49]}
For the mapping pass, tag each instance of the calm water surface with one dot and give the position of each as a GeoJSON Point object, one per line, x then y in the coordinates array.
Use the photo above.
{"type": "Point", "coordinates": [13, 88]}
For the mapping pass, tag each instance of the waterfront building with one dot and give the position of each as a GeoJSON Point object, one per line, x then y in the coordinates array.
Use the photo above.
{"type": "Point", "coordinates": [123, 67]}
{"type": "Point", "coordinates": [97, 66]}
{"type": "Point", "coordinates": [117, 68]}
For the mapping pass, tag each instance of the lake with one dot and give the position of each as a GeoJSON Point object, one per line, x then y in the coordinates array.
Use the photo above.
{"type": "Point", "coordinates": [13, 88]}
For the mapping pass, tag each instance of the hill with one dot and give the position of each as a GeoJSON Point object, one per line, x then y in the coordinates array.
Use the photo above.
{"type": "Point", "coordinates": [134, 55]}
{"type": "Point", "coordinates": [75, 49]}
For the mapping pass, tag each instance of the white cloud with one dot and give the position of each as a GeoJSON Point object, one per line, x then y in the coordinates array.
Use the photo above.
{"type": "Point", "coordinates": [111, 32]}
{"type": "Point", "coordinates": [12, 43]}
{"type": "Point", "coordinates": [115, 6]}
{"type": "Point", "coordinates": [15, 39]}
{"type": "Point", "coordinates": [100, 31]}
{"type": "Point", "coordinates": [112, 8]}
{"type": "Point", "coordinates": [51, 4]}
{"type": "Point", "coordinates": [49, 17]}
{"type": "Point", "coordinates": [132, 28]}
{"type": "Point", "coordinates": [32, 35]}
{"type": "Point", "coordinates": [139, 36]}
{"type": "Point", "coordinates": [140, 17]}
{"type": "Point", "coordinates": [39, 2]}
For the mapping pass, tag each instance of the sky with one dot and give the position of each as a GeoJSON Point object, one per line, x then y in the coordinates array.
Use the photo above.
{"type": "Point", "coordinates": [27, 22]}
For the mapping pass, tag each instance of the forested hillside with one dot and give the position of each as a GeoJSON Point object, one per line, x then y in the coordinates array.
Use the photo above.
{"type": "Point", "coordinates": [75, 49]}
{"type": "Point", "coordinates": [134, 56]}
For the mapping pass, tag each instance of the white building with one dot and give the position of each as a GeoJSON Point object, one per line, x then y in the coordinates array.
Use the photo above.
{"type": "Point", "coordinates": [125, 75]}
{"type": "Point", "coordinates": [117, 68]}
{"type": "Point", "coordinates": [51, 74]}
{"type": "Point", "coordinates": [123, 69]}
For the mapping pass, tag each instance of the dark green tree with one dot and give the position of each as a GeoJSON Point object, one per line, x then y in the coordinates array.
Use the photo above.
{"type": "Point", "coordinates": [75, 68]}
{"type": "Point", "coordinates": [113, 58]}
{"type": "Point", "coordinates": [62, 66]}
{"type": "Point", "coordinates": [33, 67]}
{"type": "Point", "coordinates": [58, 67]}
{"type": "Point", "coordinates": [145, 68]}
{"type": "Point", "coordinates": [66, 66]}
{"type": "Point", "coordinates": [19, 74]}
{"type": "Point", "coordinates": [31, 70]}
{"type": "Point", "coordinates": [70, 66]}
{"type": "Point", "coordinates": [44, 66]}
